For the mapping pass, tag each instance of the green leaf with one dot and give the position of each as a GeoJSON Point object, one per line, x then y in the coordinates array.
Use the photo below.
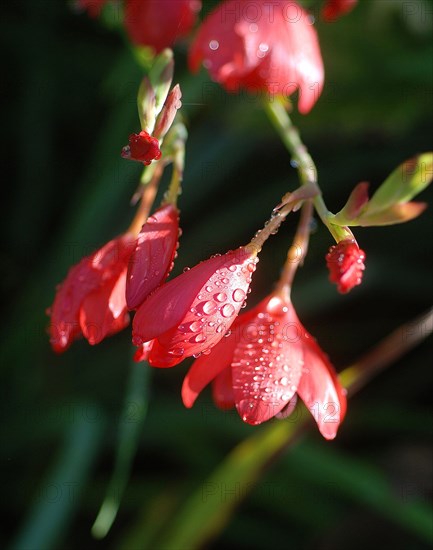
{"type": "Point", "coordinates": [209, 509]}
{"type": "Point", "coordinates": [130, 427]}
{"type": "Point", "coordinates": [390, 204]}
{"type": "Point", "coordinates": [409, 179]}
{"type": "Point", "coordinates": [59, 494]}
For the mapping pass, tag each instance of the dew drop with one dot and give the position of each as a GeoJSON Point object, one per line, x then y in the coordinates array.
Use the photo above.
{"type": "Point", "coordinates": [238, 295]}
{"type": "Point", "coordinates": [176, 352]}
{"type": "Point", "coordinates": [276, 306]}
{"type": "Point", "coordinates": [227, 310]}
{"type": "Point", "coordinates": [232, 268]}
{"type": "Point", "coordinates": [214, 45]}
{"type": "Point", "coordinates": [284, 381]}
{"type": "Point", "coordinates": [208, 289]}
{"type": "Point", "coordinates": [185, 269]}
{"type": "Point", "coordinates": [198, 338]}
{"type": "Point", "coordinates": [209, 307]}
{"type": "Point", "coordinates": [195, 326]}
{"type": "Point", "coordinates": [221, 297]}
{"type": "Point", "coordinates": [225, 281]}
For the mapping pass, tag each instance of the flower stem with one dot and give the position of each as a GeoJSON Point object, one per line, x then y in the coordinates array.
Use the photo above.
{"type": "Point", "coordinates": [297, 252]}
{"type": "Point", "coordinates": [148, 195]}
{"type": "Point", "coordinates": [175, 189]}
{"type": "Point", "coordinates": [390, 349]}
{"type": "Point", "coordinates": [300, 157]}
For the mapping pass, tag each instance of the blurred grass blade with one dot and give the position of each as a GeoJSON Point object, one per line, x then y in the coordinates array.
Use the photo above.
{"type": "Point", "coordinates": [59, 495]}
{"type": "Point", "coordinates": [131, 423]}
{"type": "Point", "coordinates": [211, 506]}
{"type": "Point", "coordinates": [360, 482]}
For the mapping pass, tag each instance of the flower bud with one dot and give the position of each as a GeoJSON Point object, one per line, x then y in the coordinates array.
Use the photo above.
{"type": "Point", "coordinates": [345, 262]}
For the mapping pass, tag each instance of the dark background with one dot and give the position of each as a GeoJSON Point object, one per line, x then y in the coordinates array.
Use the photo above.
{"type": "Point", "coordinates": [69, 85]}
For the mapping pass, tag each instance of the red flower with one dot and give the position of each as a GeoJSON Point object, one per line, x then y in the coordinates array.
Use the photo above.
{"type": "Point", "coordinates": [192, 312]}
{"type": "Point", "coordinates": [155, 23]}
{"type": "Point", "coordinates": [159, 23]}
{"type": "Point", "coordinates": [268, 359]}
{"type": "Point", "coordinates": [335, 8]}
{"type": "Point", "coordinates": [94, 7]}
{"type": "Point", "coordinates": [91, 300]}
{"type": "Point", "coordinates": [142, 147]}
{"type": "Point", "coordinates": [153, 256]}
{"type": "Point", "coordinates": [345, 262]}
{"type": "Point", "coordinates": [261, 46]}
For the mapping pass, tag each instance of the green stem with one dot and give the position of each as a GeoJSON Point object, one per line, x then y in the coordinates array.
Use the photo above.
{"type": "Point", "coordinates": [301, 158]}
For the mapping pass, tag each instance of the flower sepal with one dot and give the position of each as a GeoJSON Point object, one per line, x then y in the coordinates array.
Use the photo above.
{"type": "Point", "coordinates": [390, 204]}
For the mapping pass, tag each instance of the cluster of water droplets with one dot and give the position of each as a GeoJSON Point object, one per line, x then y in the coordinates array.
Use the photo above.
{"type": "Point", "coordinates": [215, 308]}
{"type": "Point", "coordinates": [266, 368]}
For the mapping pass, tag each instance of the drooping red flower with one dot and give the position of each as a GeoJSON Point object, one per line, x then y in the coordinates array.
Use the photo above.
{"type": "Point", "coordinates": [153, 255]}
{"type": "Point", "coordinates": [142, 147]}
{"type": "Point", "coordinates": [155, 23]}
{"type": "Point", "coordinates": [261, 46]}
{"type": "Point", "coordinates": [91, 300]}
{"type": "Point", "coordinates": [269, 358]}
{"type": "Point", "coordinates": [345, 262]}
{"type": "Point", "coordinates": [333, 9]}
{"type": "Point", "coordinates": [192, 312]}
{"type": "Point", "coordinates": [160, 23]}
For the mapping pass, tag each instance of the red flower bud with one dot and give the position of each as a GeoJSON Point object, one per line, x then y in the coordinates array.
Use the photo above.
{"type": "Point", "coordinates": [142, 147]}
{"type": "Point", "coordinates": [159, 23]}
{"type": "Point", "coordinates": [155, 23]}
{"type": "Point", "coordinates": [345, 262]}
{"type": "Point", "coordinates": [335, 8]}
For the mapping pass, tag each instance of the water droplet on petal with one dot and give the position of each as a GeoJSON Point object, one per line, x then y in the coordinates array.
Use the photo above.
{"type": "Point", "coordinates": [221, 297]}
{"type": "Point", "coordinates": [198, 338]}
{"type": "Point", "coordinates": [209, 307]}
{"type": "Point", "coordinates": [238, 295]}
{"type": "Point", "coordinates": [185, 269]}
{"type": "Point", "coordinates": [227, 310]}
{"type": "Point", "coordinates": [175, 352]}
{"type": "Point", "coordinates": [195, 326]}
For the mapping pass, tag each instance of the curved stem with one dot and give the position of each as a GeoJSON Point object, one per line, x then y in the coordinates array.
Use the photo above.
{"type": "Point", "coordinates": [300, 156]}
{"type": "Point", "coordinates": [297, 252]}
{"type": "Point", "coordinates": [175, 189]}
{"type": "Point", "coordinates": [147, 197]}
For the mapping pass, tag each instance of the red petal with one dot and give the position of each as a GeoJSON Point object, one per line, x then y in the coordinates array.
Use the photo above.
{"type": "Point", "coordinates": [267, 362]}
{"type": "Point", "coordinates": [188, 304]}
{"type": "Point", "coordinates": [278, 53]}
{"type": "Point", "coordinates": [152, 259]}
{"type": "Point", "coordinates": [320, 389]}
{"type": "Point", "coordinates": [103, 311]}
{"type": "Point", "coordinates": [142, 352]}
{"type": "Point", "coordinates": [222, 390]}
{"type": "Point", "coordinates": [83, 279]}
{"type": "Point", "coordinates": [206, 368]}
{"type": "Point", "coordinates": [162, 358]}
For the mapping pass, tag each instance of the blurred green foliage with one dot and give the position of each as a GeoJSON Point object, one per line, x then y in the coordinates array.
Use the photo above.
{"type": "Point", "coordinates": [70, 88]}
